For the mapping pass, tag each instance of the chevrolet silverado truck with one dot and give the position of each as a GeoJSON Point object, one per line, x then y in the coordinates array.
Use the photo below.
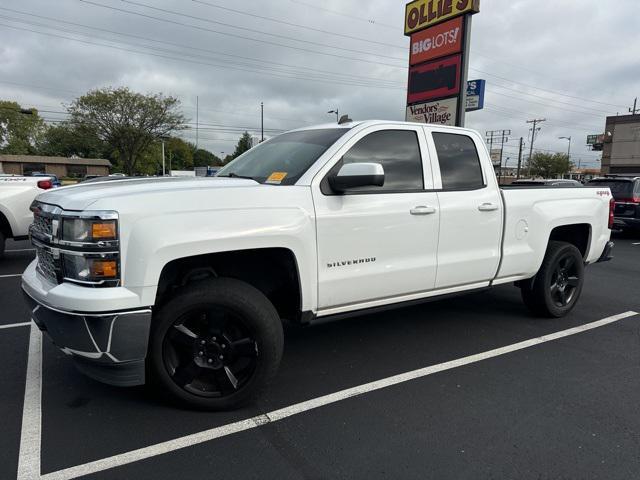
{"type": "Point", "coordinates": [16, 195]}
{"type": "Point", "coordinates": [184, 283]}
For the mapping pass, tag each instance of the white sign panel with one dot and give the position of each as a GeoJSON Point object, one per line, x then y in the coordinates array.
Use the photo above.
{"type": "Point", "coordinates": [496, 153]}
{"type": "Point", "coordinates": [440, 112]}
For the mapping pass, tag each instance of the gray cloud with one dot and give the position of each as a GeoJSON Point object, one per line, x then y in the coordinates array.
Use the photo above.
{"type": "Point", "coordinates": [527, 52]}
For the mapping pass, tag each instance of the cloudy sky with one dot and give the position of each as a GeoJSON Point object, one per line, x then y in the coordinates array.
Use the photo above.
{"type": "Point", "coordinates": [571, 62]}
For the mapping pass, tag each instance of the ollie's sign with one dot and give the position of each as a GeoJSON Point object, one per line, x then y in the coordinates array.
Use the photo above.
{"type": "Point", "coordinates": [421, 14]}
{"type": "Point", "coordinates": [437, 79]}
{"type": "Point", "coordinates": [441, 40]}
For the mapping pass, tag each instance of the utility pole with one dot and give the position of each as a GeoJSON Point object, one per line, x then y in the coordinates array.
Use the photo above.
{"type": "Point", "coordinates": [163, 157]}
{"type": "Point", "coordinates": [635, 104]}
{"type": "Point", "coordinates": [197, 120]}
{"type": "Point", "coordinates": [519, 157]}
{"type": "Point", "coordinates": [533, 137]}
{"type": "Point", "coordinates": [261, 121]}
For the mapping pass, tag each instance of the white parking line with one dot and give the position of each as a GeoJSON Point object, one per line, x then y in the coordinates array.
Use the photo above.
{"type": "Point", "coordinates": [13, 325]}
{"type": "Point", "coordinates": [21, 250]}
{"type": "Point", "coordinates": [637, 243]}
{"type": "Point", "coordinates": [274, 416]}
{"type": "Point", "coordinates": [11, 275]}
{"type": "Point", "coordinates": [29, 456]}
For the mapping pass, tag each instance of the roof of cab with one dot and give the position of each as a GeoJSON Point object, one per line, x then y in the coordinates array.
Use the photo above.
{"type": "Point", "coordinates": [368, 123]}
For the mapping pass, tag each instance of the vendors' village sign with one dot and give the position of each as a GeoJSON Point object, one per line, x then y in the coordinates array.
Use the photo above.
{"type": "Point", "coordinates": [440, 31]}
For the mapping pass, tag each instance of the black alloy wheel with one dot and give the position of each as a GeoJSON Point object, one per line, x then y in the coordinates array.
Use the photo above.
{"type": "Point", "coordinates": [210, 353]}
{"type": "Point", "coordinates": [565, 280]}
{"type": "Point", "coordinates": [215, 345]}
{"type": "Point", "coordinates": [555, 289]}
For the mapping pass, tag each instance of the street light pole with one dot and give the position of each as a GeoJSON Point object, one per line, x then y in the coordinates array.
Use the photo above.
{"type": "Point", "coordinates": [261, 121]}
{"type": "Point", "coordinates": [336, 111]}
{"type": "Point", "coordinates": [569, 153]}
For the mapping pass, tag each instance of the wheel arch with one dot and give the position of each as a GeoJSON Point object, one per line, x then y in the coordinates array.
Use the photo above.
{"type": "Point", "coordinates": [577, 234]}
{"type": "Point", "coordinates": [272, 270]}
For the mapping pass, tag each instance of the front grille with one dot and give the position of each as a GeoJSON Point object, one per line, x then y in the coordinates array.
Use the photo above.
{"type": "Point", "coordinates": [46, 264]}
{"type": "Point", "coordinates": [42, 225]}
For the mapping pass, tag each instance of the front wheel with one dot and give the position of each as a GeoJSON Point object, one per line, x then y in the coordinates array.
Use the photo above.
{"type": "Point", "coordinates": [216, 344]}
{"type": "Point", "coordinates": [558, 284]}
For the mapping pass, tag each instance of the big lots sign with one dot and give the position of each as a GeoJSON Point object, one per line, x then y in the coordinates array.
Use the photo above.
{"type": "Point", "coordinates": [441, 40]}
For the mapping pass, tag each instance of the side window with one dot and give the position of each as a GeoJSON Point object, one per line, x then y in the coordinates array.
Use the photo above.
{"type": "Point", "coordinates": [459, 162]}
{"type": "Point", "coordinates": [636, 191]}
{"type": "Point", "coordinates": [397, 151]}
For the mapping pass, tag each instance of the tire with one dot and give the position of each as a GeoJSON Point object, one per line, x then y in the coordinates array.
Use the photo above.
{"type": "Point", "coordinates": [2, 242]}
{"type": "Point", "coordinates": [557, 285]}
{"type": "Point", "coordinates": [210, 335]}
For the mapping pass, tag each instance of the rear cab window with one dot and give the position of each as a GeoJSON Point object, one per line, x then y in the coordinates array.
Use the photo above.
{"type": "Point", "coordinates": [460, 167]}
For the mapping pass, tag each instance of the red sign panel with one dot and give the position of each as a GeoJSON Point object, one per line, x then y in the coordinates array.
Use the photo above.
{"type": "Point", "coordinates": [438, 41]}
{"type": "Point", "coordinates": [432, 80]}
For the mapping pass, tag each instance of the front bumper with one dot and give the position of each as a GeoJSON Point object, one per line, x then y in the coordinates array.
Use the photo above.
{"type": "Point", "coordinates": [110, 347]}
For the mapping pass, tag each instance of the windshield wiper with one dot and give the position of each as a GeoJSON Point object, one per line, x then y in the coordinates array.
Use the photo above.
{"type": "Point", "coordinates": [235, 175]}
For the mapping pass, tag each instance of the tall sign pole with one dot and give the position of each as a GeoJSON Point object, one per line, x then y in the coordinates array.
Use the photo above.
{"type": "Point", "coordinates": [439, 52]}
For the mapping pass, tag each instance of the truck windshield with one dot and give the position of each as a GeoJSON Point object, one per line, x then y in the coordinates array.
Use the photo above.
{"type": "Point", "coordinates": [619, 188]}
{"type": "Point", "coordinates": [284, 159]}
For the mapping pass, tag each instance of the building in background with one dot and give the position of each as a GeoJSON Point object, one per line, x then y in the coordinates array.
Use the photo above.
{"type": "Point", "coordinates": [621, 145]}
{"type": "Point", "coordinates": [60, 166]}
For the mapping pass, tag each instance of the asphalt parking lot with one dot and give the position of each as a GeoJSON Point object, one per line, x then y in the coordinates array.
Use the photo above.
{"type": "Point", "coordinates": [563, 406]}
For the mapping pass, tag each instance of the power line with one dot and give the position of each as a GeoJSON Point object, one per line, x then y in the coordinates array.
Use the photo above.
{"type": "Point", "coordinates": [316, 76]}
{"type": "Point", "coordinates": [342, 14]}
{"type": "Point", "coordinates": [213, 52]}
{"type": "Point", "coordinates": [542, 89]}
{"type": "Point", "coordinates": [202, 63]}
{"type": "Point", "coordinates": [297, 25]}
{"type": "Point", "coordinates": [240, 36]}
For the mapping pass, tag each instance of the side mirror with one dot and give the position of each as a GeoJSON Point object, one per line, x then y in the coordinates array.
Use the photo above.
{"type": "Point", "coordinates": [353, 175]}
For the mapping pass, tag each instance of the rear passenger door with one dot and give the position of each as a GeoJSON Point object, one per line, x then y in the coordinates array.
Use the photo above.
{"type": "Point", "coordinates": [377, 243]}
{"type": "Point", "coordinates": [470, 209]}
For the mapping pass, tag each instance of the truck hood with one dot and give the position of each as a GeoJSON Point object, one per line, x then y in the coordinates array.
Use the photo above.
{"type": "Point", "coordinates": [82, 195]}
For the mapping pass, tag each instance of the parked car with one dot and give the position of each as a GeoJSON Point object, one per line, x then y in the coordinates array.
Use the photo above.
{"type": "Point", "coordinates": [185, 281]}
{"type": "Point", "coordinates": [626, 192]}
{"type": "Point", "coordinates": [55, 181]}
{"type": "Point", "coordinates": [551, 182]}
{"type": "Point", "coordinates": [16, 195]}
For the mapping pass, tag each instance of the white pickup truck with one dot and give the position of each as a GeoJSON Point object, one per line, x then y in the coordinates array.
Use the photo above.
{"type": "Point", "coordinates": [185, 282]}
{"type": "Point", "coordinates": [16, 195]}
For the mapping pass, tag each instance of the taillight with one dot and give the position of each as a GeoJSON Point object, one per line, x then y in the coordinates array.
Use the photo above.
{"type": "Point", "coordinates": [635, 200]}
{"type": "Point", "coordinates": [45, 184]}
{"type": "Point", "coordinates": [612, 208]}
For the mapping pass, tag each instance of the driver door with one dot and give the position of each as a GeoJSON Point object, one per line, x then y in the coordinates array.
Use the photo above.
{"type": "Point", "coordinates": [377, 244]}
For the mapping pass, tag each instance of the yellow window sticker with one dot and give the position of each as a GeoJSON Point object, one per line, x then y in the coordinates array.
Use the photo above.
{"type": "Point", "coordinates": [276, 177]}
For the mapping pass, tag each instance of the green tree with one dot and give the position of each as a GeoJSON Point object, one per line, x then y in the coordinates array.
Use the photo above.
{"type": "Point", "coordinates": [547, 165]}
{"type": "Point", "coordinates": [242, 146]}
{"type": "Point", "coordinates": [68, 140]}
{"type": "Point", "coordinates": [21, 129]}
{"type": "Point", "coordinates": [204, 158]}
{"type": "Point", "coordinates": [129, 122]}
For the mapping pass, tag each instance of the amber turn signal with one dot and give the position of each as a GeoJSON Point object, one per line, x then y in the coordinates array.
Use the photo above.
{"type": "Point", "coordinates": [104, 231]}
{"type": "Point", "coordinates": [104, 269]}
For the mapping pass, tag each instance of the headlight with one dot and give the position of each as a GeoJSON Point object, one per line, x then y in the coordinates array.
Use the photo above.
{"type": "Point", "coordinates": [90, 248]}
{"type": "Point", "coordinates": [86, 230]}
{"type": "Point", "coordinates": [91, 268]}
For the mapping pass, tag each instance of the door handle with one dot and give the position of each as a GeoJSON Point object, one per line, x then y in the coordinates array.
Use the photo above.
{"type": "Point", "coordinates": [422, 210]}
{"type": "Point", "coordinates": [488, 207]}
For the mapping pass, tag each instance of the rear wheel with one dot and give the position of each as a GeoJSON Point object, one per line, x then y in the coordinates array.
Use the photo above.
{"type": "Point", "coordinates": [216, 344]}
{"type": "Point", "coordinates": [2, 241]}
{"type": "Point", "coordinates": [558, 284]}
